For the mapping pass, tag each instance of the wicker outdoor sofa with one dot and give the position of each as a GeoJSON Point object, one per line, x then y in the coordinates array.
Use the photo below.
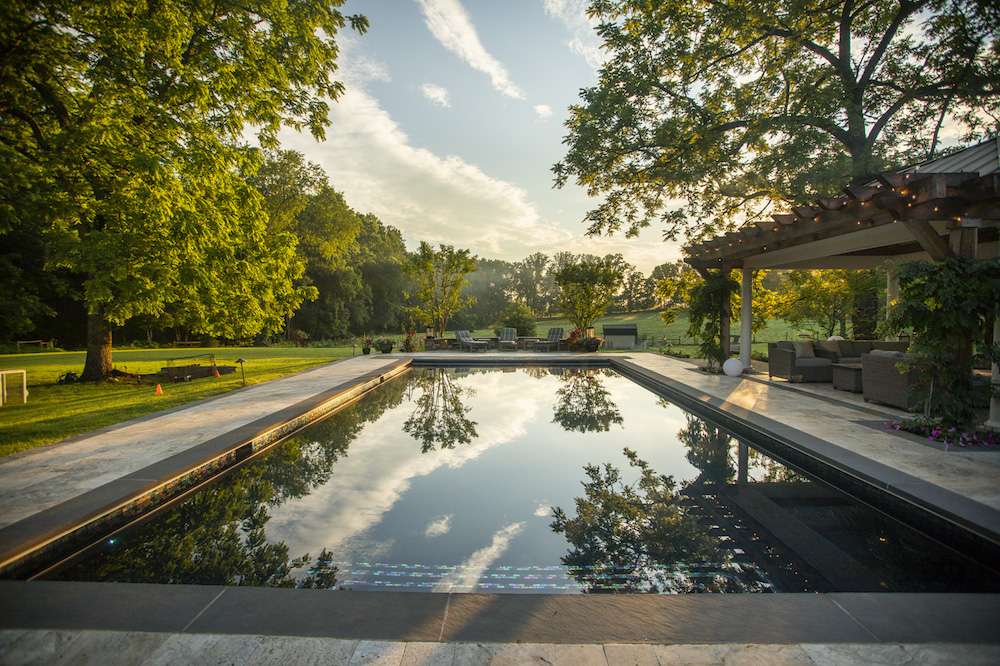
{"type": "Point", "coordinates": [810, 361]}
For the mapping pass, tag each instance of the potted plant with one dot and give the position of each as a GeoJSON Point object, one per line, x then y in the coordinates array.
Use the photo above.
{"type": "Point", "coordinates": [409, 345]}
{"type": "Point", "coordinates": [384, 345]}
{"type": "Point", "coordinates": [366, 345]}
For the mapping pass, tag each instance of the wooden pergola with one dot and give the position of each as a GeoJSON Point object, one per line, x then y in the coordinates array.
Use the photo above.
{"type": "Point", "coordinates": [949, 206]}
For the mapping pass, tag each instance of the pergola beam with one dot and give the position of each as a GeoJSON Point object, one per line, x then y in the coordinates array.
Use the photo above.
{"type": "Point", "coordinates": [912, 198]}
{"type": "Point", "coordinates": [934, 245]}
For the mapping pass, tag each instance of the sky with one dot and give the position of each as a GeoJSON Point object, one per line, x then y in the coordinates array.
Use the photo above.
{"type": "Point", "coordinates": [453, 118]}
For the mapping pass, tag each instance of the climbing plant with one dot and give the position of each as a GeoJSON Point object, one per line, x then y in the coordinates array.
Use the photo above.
{"type": "Point", "coordinates": [946, 305]}
{"type": "Point", "coordinates": [705, 302]}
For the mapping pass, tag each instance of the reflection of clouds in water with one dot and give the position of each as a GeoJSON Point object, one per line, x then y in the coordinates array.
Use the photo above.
{"type": "Point", "coordinates": [467, 574]}
{"type": "Point", "coordinates": [438, 526]}
{"type": "Point", "coordinates": [543, 510]}
{"type": "Point", "coordinates": [383, 459]}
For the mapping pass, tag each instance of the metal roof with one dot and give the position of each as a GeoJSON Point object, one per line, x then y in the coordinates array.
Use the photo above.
{"type": "Point", "coordinates": [982, 158]}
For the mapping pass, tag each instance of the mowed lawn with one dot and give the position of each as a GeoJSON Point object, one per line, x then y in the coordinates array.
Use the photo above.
{"type": "Point", "coordinates": [55, 412]}
{"type": "Point", "coordinates": [650, 324]}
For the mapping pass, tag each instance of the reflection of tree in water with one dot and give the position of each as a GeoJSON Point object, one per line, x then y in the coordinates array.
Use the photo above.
{"type": "Point", "coordinates": [624, 534]}
{"type": "Point", "coordinates": [583, 404]}
{"type": "Point", "coordinates": [708, 450]}
{"type": "Point", "coordinates": [217, 535]}
{"type": "Point", "coordinates": [439, 416]}
{"type": "Point", "coordinates": [653, 536]}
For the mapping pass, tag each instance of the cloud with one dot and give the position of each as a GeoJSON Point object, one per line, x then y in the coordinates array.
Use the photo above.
{"type": "Point", "coordinates": [543, 110]}
{"type": "Point", "coordinates": [543, 510]}
{"type": "Point", "coordinates": [438, 527]}
{"type": "Point", "coordinates": [435, 93]}
{"type": "Point", "coordinates": [440, 199]}
{"type": "Point", "coordinates": [450, 25]}
{"type": "Point", "coordinates": [467, 574]}
{"type": "Point", "coordinates": [583, 40]}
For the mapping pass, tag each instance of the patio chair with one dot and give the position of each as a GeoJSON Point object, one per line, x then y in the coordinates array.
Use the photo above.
{"type": "Point", "coordinates": [883, 382]}
{"type": "Point", "coordinates": [798, 362]}
{"type": "Point", "coordinates": [551, 341]}
{"type": "Point", "coordinates": [466, 341]}
{"type": "Point", "coordinates": [508, 339]}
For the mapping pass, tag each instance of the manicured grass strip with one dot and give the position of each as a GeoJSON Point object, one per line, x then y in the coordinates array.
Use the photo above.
{"type": "Point", "coordinates": [56, 412]}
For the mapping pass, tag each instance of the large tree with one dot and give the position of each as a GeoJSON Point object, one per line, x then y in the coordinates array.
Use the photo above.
{"type": "Point", "coordinates": [122, 139]}
{"type": "Point", "coordinates": [587, 286]}
{"type": "Point", "coordinates": [708, 113]}
{"type": "Point", "coordinates": [439, 276]}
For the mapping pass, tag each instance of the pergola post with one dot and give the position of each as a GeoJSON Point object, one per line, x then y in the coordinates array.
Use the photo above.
{"type": "Point", "coordinates": [891, 290]}
{"type": "Point", "coordinates": [746, 314]}
{"type": "Point", "coordinates": [993, 423]}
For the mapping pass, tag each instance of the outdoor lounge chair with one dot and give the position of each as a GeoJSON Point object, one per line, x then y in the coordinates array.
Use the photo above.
{"type": "Point", "coordinates": [551, 341]}
{"type": "Point", "coordinates": [508, 339]}
{"type": "Point", "coordinates": [466, 341]}
{"type": "Point", "coordinates": [798, 362]}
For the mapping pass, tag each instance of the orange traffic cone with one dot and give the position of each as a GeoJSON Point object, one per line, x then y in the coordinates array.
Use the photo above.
{"type": "Point", "coordinates": [159, 390]}
{"type": "Point", "coordinates": [215, 372]}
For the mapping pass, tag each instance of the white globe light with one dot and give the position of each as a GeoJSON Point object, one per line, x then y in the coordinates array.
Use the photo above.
{"type": "Point", "coordinates": [733, 367]}
{"type": "Point", "coordinates": [835, 337]}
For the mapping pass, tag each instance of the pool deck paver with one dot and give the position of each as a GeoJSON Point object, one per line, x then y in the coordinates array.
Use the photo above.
{"type": "Point", "coordinates": [972, 474]}
{"type": "Point", "coordinates": [42, 478]}
{"type": "Point", "coordinates": [113, 648]}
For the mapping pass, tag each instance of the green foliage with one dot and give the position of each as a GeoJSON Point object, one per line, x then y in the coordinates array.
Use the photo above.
{"type": "Point", "coordinates": [532, 282]}
{"type": "Point", "coordinates": [491, 287]}
{"type": "Point", "coordinates": [673, 289]}
{"type": "Point", "coordinates": [587, 287]}
{"type": "Point", "coordinates": [122, 142]}
{"type": "Point", "coordinates": [822, 297]}
{"type": "Point", "coordinates": [727, 106]}
{"type": "Point", "coordinates": [947, 305]}
{"type": "Point", "coordinates": [439, 419]}
{"type": "Point", "coordinates": [438, 277]}
{"type": "Point", "coordinates": [623, 533]}
{"type": "Point", "coordinates": [519, 316]}
{"type": "Point", "coordinates": [705, 314]}
{"type": "Point", "coordinates": [584, 404]}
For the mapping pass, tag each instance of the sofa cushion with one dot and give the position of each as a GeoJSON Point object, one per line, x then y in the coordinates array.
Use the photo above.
{"type": "Point", "coordinates": [850, 359]}
{"type": "Point", "coordinates": [812, 362]}
{"type": "Point", "coordinates": [804, 350]}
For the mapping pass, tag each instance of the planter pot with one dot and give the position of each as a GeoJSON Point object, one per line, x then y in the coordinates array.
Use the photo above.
{"type": "Point", "coordinates": [385, 349]}
{"type": "Point", "coordinates": [366, 350]}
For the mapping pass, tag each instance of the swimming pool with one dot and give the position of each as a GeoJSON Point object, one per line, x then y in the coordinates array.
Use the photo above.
{"type": "Point", "coordinates": [537, 479]}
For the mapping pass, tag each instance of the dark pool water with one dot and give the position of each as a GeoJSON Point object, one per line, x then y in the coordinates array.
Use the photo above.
{"type": "Point", "coordinates": [524, 480]}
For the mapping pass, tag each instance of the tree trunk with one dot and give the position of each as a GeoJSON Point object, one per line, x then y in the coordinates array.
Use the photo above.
{"type": "Point", "coordinates": [97, 367]}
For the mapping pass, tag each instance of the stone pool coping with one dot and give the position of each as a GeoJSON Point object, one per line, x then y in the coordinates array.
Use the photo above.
{"type": "Point", "coordinates": [563, 619]}
{"type": "Point", "coordinates": [774, 618]}
{"type": "Point", "coordinates": [29, 537]}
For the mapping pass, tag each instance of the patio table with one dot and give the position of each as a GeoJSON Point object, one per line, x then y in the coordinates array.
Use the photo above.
{"type": "Point", "coordinates": [527, 341]}
{"type": "Point", "coordinates": [847, 377]}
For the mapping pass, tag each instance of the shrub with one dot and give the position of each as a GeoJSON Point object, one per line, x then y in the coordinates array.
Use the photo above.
{"type": "Point", "coordinates": [384, 345]}
{"type": "Point", "coordinates": [519, 316]}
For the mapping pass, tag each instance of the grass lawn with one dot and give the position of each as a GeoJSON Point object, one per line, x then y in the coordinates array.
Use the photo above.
{"type": "Point", "coordinates": [55, 412]}
{"type": "Point", "coordinates": [650, 324]}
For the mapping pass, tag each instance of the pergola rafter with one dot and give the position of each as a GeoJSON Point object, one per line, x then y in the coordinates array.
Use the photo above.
{"type": "Point", "coordinates": [945, 207]}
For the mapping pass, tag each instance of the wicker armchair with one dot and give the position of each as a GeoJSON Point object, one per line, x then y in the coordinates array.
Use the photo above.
{"type": "Point", "coordinates": [782, 362]}
{"type": "Point", "coordinates": [882, 381]}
